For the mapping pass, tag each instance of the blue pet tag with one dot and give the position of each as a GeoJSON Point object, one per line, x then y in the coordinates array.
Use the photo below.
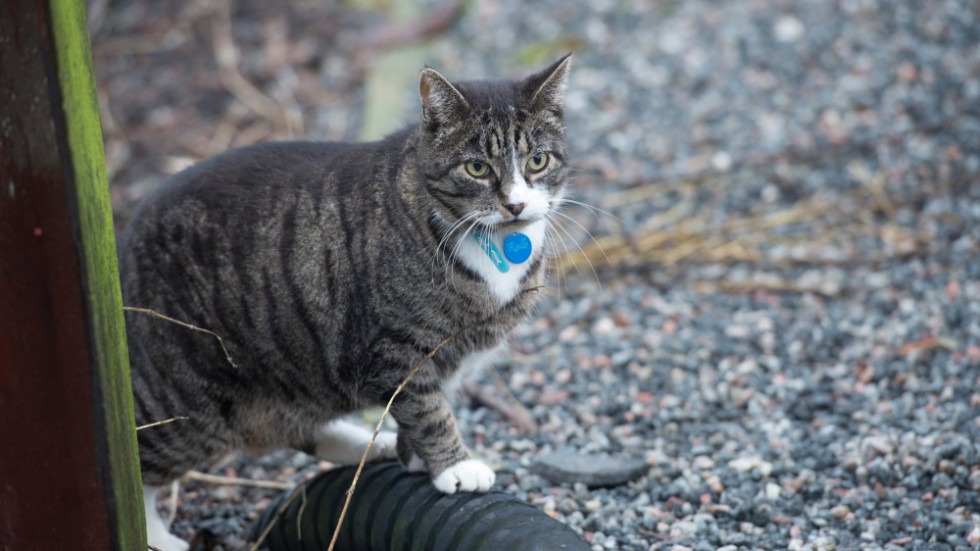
{"type": "Point", "coordinates": [492, 250]}
{"type": "Point", "coordinates": [517, 247]}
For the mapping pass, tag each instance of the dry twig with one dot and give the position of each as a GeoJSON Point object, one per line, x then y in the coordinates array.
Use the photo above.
{"type": "Point", "coordinates": [391, 36]}
{"type": "Point", "coordinates": [377, 430]}
{"type": "Point", "coordinates": [192, 327]}
{"type": "Point", "coordinates": [158, 423]}
{"type": "Point", "coordinates": [511, 409]}
{"type": "Point", "coordinates": [234, 481]}
{"type": "Point", "coordinates": [226, 55]}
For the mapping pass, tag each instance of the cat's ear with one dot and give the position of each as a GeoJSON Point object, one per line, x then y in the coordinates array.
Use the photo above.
{"type": "Point", "coordinates": [547, 88]}
{"type": "Point", "coordinates": [441, 101]}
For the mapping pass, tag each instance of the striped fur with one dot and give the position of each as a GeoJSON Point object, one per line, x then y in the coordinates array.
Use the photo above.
{"type": "Point", "coordinates": [330, 270]}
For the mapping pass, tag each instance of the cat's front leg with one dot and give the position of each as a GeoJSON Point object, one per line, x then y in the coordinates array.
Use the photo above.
{"type": "Point", "coordinates": [427, 435]}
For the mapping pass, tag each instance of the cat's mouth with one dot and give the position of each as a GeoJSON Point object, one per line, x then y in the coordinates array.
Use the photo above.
{"type": "Point", "coordinates": [515, 223]}
{"type": "Point", "coordinates": [494, 223]}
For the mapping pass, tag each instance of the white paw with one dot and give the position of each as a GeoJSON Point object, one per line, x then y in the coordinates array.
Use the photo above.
{"type": "Point", "coordinates": [415, 464]}
{"type": "Point", "coordinates": [384, 446]}
{"type": "Point", "coordinates": [466, 476]}
{"type": "Point", "coordinates": [344, 443]}
{"type": "Point", "coordinates": [165, 541]}
{"type": "Point", "coordinates": [157, 535]}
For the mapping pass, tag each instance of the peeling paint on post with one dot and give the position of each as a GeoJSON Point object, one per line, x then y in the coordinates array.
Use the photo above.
{"type": "Point", "coordinates": [69, 474]}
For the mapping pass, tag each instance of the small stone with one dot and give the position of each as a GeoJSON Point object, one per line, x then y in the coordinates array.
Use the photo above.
{"type": "Point", "coordinates": [591, 470]}
{"type": "Point", "coordinates": [975, 481]}
{"type": "Point", "coordinates": [604, 326]}
{"type": "Point", "coordinates": [840, 511]}
{"type": "Point", "coordinates": [773, 491]}
{"type": "Point", "coordinates": [721, 161]}
{"type": "Point", "coordinates": [974, 537]}
{"type": "Point", "coordinates": [593, 505]}
{"type": "Point", "coordinates": [751, 463]}
{"type": "Point", "coordinates": [703, 462]}
{"type": "Point", "coordinates": [714, 484]}
{"type": "Point", "coordinates": [788, 29]}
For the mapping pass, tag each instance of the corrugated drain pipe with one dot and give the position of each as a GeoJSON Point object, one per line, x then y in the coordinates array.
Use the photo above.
{"type": "Point", "coordinates": [393, 509]}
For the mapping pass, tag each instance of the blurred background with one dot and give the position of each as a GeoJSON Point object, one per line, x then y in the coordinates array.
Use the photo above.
{"type": "Point", "coordinates": [773, 298]}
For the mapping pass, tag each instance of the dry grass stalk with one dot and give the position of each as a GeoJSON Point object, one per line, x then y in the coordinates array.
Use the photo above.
{"type": "Point", "coordinates": [377, 430]}
{"type": "Point", "coordinates": [777, 286]}
{"type": "Point", "coordinates": [234, 481]}
{"type": "Point", "coordinates": [676, 236]}
{"type": "Point", "coordinates": [158, 423]}
{"type": "Point", "coordinates": [174, 493]}
{"type": "Point", "coordinates": [192, 327]}
{"type": "Point", "coordinates": [507, 405]}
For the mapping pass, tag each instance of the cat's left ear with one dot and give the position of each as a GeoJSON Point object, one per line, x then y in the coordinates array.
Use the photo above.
{"type": "Point", "coordinates": [547, 88]}
{"type": "Point", "coordinates": [441, 101]}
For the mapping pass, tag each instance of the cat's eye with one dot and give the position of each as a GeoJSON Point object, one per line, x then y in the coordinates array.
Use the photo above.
{"type": "Point", "coordinates": [537, 162]}
{"type": "Point", "coordinates": [477, 169]}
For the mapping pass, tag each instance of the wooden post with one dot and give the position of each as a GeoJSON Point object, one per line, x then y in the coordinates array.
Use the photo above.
{"type": "Point", "coordinates": [69, 476]}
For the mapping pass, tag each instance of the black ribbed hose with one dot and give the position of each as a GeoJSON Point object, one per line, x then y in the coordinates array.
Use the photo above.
{"type": "Point", "coordinates": [393, 509]}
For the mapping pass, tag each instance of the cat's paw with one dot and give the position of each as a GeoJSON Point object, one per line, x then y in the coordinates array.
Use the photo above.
{"type": "Point", "coordinates": [157, 534]}
{"type": "Point", "coordinates": [470, 475]}
{"type": "Point", "coordinates": [165, 541]}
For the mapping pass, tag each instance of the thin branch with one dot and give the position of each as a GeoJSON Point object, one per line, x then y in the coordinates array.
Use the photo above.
{"type": "Point", "coordinates": [174, 494]}
{"type": "Point", "coordinates": [511, 409]}
{"type": "Point", "coordinates": [158, 423]}
{"type": "Point", "coordinates": [402, 34]}
{"type": "Point", "coordinates": [164, 317]}
{"type": "Point", "coordinates": [226, 55]}
{"type": "Point", "coordinates": [233, 481]}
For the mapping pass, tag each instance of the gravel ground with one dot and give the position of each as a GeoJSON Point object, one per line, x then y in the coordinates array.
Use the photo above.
{"type": "Point", "coordinates": [821, 393]}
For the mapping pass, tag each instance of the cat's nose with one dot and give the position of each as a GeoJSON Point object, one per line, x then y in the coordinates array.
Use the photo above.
{"type": "Point", "coordinates": [515, 208]}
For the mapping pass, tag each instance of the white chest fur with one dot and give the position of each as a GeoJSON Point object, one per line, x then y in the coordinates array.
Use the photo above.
{"type": "Point", "coordinates": [503, 285]}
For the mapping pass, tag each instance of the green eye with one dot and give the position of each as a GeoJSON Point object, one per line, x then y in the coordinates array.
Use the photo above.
{"type": "Point", "coordinates": [477, 169]}
{"type": "Point", "coordinates": [537, 162]}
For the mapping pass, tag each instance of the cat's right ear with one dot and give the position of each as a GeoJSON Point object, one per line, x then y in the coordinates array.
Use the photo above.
{"type": "Point", "coordinates": [441, 101]}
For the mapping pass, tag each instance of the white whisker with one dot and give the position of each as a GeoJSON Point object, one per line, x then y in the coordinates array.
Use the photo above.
{"type": "Point", "coordinates": [561, 227]}
{"type": "Point", "coordinates": [592, 237]}
{"type": "Point", "coordinates": [456, 249]}
{"type": "Point", "coordinates": [560, 272]}
{"type": "Point", "coordinates": [448, 236]}
{"type": "Point", "coordinates": [592, 208]}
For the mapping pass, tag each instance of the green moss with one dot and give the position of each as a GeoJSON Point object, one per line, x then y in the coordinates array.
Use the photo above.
{"type": "Point", "coordinates": [99, 266]}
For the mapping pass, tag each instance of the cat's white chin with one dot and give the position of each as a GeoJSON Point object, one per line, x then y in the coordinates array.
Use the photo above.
{"type": "Point", "coordinates": [503, 285]}
{"type": "Point", "coordinates": [470, 475]}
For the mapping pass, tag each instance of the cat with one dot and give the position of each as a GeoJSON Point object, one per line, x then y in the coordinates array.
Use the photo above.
{"type": "Point", "coordinates": [329, 270]}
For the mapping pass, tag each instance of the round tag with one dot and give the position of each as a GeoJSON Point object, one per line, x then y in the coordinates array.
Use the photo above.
{"type": "Point", "coordinates": [517, 247]}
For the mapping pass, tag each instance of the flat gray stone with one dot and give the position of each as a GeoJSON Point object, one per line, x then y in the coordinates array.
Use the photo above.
{"type": "Point", "coordinates": [592, 470]}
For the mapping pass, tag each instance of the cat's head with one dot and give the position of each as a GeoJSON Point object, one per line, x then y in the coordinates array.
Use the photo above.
{"type": "Point", "coordinates": [492, 152]}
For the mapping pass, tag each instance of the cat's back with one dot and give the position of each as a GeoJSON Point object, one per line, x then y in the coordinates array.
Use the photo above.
{"type": "Point", "coordinates": [234, 217]}
{"type": "Point", "coordinates": [251, 190]}
{"type": "Point", "coordinates": [243, 176]}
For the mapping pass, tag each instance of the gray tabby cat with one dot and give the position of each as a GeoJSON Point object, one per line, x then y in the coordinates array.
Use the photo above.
{"type": "Point", "coordinates": [330, 270]}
